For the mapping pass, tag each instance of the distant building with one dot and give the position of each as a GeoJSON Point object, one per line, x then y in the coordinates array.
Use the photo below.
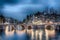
{"type": "Point", "coordinates": [7, 19]}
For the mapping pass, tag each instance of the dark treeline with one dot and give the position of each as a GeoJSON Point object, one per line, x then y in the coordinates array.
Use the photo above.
{"type": "Point", "coordinates": [4, 19]}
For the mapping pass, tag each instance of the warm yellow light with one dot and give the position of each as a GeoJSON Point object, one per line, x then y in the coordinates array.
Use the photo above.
{"type": "Point", "coordinates": [8, 33]}
{"type": "Point", "coordinates": [37, 23]}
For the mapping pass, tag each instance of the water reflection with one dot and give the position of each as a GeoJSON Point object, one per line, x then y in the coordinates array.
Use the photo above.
{"type": "Point", "coordinates": [20, 32]}
{"type": "Point", "coordinates": [8, 31]}
{"type": "Point", "coordinates": [30, 34]}
{"type": "Point", "coordinates": [49, 33]}
{"type": "Point", "coordinates": [39, 34]}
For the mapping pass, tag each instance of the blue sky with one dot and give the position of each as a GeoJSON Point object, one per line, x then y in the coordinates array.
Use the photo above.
{"type": "Point", "coordinates": [18, 9]}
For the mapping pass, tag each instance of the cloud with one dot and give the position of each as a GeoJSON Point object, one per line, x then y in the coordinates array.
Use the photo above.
{"type": "Point", "coordinates": [18, 9]}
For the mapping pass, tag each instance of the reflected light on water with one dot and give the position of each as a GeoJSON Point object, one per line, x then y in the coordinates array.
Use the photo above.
{"type": "Point", "coordinates": [9, 33]}
{"type": "Point", "coordinates": [49, 33]}
{"type": "Point", "coordinates": [20, 32]}
{"type": "Point", "coordinates": [31, 32]}
{"type": "Point", "coordinates": [32, 35]}
{"type": "Point", "coordinates": [46, 34]}
{"type": "Point", "coordinates": [35, 34]}
{"type": "Point", "coordinates": [40, 35]}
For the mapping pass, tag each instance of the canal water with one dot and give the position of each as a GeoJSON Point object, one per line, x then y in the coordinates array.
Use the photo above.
{"type": "Point", "coordinates": [31, 35]}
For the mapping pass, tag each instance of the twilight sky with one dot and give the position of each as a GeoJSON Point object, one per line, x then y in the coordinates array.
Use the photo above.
{"type": "Point", "coordinates": [18, 9]}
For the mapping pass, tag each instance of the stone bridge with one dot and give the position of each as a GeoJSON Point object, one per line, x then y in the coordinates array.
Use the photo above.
{"type": "Point", "coordinates": [31, 26]}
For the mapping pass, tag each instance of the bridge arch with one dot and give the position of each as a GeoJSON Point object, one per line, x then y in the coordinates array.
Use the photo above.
{"type": "Point", "coordinates": [49, 27]}
{"type": "Point", "coordinates": [20, 27]}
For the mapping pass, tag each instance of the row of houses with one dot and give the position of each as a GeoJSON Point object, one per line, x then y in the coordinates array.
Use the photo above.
{"type": "Point", "coordinates": [46, 15]}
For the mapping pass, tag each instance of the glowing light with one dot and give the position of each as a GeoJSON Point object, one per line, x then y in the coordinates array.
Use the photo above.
{"type": "Point", "coordinates": [46, 33]}
{"type": "Point", "coordinates": [37, 33]}
{"type": "Point", "coordinates": [40, 35]}
{"type": "Point", "coordinates": [8, 33]}
{"type": "Point", "coordinates": [50, 33]}
{"type": "Point", "coordinates": [32, 35]}
{"type": "Point", "coordinates": [37, 23]}
{"type": "Point", "coordinates": [6, 23]}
